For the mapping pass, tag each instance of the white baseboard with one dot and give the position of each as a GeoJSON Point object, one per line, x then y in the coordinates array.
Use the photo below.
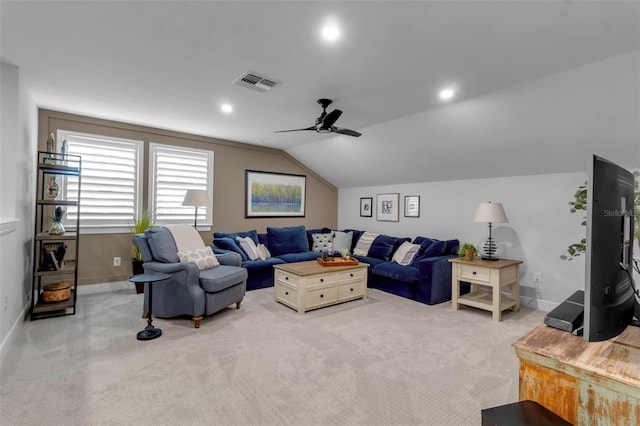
{"type": "Point", "coordinates": [543, 305]}
{"type": "Point", "coordinates": [13, 331]}
{"type": "Point", "coordinates": [105, 287]}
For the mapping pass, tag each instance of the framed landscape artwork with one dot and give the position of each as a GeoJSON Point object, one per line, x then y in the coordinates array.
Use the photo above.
{"type": "Point", "coordinates": [387, 207]}
{"type": "Point", "coordinates": [269, 194]}
{"type": "Point", "coordinates": [412, 206]}
{"type": "Point", "coordinates": [366, 207]}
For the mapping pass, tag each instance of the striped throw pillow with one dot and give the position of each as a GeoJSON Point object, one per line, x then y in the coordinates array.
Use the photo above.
{"type": "Point", "coordinates": [405, 253]}
{"type": "Point", "coordinates": [364, 243]}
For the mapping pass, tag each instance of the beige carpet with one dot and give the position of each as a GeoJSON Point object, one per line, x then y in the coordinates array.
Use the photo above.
{"type": "Point", "coordinates": [380, 361]}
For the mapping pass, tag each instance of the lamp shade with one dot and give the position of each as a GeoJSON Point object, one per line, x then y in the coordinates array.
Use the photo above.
{"type": "Point", "coordinates": [196, 198]}
{"type": "Point", "coordinates": [490, 212]}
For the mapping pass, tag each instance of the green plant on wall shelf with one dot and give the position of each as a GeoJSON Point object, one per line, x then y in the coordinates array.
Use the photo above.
{"type": "Point", "coordinates": [142, 223]}
{"type": "Point", "coordinates": [579, 203]}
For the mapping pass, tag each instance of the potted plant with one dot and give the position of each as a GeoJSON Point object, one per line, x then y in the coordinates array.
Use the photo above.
{"type": "Point", "coordinates": [579, 202]}
{"type": "Point", "coordinates": [142, 223]}
{"type": "Point", "coordinates": [468, 251]}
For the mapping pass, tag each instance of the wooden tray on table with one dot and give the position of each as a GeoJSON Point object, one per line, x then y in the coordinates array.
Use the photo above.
{"type": "Point", "coordinates": [337, 261]}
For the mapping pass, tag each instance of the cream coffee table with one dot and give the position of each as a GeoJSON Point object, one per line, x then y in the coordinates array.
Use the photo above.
{"type": "Point", "coordinates": [308, 285]}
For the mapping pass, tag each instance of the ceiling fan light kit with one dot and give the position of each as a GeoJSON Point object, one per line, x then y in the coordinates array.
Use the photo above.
{"type": "Point", "coordinates": [324, 123]}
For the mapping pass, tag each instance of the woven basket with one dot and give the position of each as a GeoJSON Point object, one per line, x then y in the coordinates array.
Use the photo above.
{"type": "Point", "coordinates": [58, 292]}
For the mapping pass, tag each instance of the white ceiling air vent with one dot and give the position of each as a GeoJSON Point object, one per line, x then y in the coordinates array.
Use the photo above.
{"type": "Point", "coordinates": [255, 82]}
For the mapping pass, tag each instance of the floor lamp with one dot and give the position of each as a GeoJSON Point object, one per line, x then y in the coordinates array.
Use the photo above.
{"type": "Point", "coordinates": [490, 213]}
{"type": "Point", "coordinates": [196, 198]}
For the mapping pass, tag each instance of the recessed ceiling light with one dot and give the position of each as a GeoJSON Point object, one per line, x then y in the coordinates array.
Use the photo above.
{"type": "Point", "coordinates": [447, 94]}
{"type": "Point", "coordinates": [226, 108]}
{"type": "Point", "coordinates": [330, 33]}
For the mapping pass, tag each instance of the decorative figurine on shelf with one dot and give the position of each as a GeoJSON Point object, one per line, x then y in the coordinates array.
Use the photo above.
{"type": "Point", "coordinates": [56, 226]}
{"type": "Point", "coordinates": [52, 188]}
{"type": "Point", "coordinates": [51, 147]}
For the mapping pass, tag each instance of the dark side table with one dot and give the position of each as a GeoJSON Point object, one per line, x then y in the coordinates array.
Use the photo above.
{"type": "Point", "coordinates": [149, 333]}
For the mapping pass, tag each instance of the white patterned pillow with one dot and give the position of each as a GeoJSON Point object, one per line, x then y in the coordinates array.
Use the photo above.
{"type": "Point", "coordinates": [364, 243]}
{"type": "Point", "coordinates": [204, 258]}
{"type": "Point", "coordinates": [321, 242]}
{"type": "Point", "coordinates": [405, 253]}
{"type": "Point", "coordinates": [248, 246]}
{"type": "Point", "coordinates": [263, 252]}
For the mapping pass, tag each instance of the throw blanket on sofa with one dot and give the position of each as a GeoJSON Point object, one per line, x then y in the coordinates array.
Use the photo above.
{"type": "Point", "coordinates": [186, 237]}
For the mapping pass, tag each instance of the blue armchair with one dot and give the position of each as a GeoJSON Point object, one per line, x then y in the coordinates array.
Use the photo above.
{"type": "Point", "coordinates": [189, 291]}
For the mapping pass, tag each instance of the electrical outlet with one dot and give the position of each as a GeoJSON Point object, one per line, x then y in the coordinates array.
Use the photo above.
{"type": "Point", "coordinates": [537, 277]}
{"type": "Point", "coordinates": [116, 261]}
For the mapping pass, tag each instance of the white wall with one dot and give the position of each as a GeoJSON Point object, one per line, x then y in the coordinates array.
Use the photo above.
{"type": "Point", "coordinates": [18, 119]}
{"type": "Point", "coordinates": [539, 230]}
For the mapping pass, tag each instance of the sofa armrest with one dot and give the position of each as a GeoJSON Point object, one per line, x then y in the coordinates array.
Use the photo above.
{"type": "Point", "coordinates": [435, 273]}
{"type": "Point", "coordinates": [228, 257]}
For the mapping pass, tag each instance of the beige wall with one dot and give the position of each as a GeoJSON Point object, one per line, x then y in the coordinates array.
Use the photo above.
{"type": "Point", "coordinates": [231, 159]}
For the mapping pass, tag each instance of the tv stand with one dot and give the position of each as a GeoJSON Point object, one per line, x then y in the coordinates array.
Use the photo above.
{"type": "Point", "coordinates": [585, 383]}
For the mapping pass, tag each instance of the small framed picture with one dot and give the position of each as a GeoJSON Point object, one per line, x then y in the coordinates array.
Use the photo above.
{"type": "Point", "coordinates": [366, 207]}
{"type": "Point", "coordinates": [388, 207]}
{"type": "Point", "coordinates": [412, 206]}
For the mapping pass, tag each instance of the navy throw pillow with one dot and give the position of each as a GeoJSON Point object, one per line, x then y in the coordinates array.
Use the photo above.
{"type": "Point", "coordinates": [451, 247]}
{"type": "Point", "coordinates": [253, 234]}
{"type": "Point", "coordinates": [382, 247]}
{"type": "Point", "coordinates": [292, 239]}
{"type": "Point", "coordinates": [435, 249]}
{"type": "Point", "coordinates": [227, 243]}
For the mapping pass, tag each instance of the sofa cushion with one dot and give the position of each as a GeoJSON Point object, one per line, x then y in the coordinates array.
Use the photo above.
{"type": "Point", "coordinates": [382, 247]}
{"type": "Point", "coordinates": [322, 242]}
{"type": "Point", "coordinates": [253, 234]}
{"type": "Point", "coordinates": [364, 243]}
{"type": "Point", "coordinates": [227, 243]}
{"type": "Point", "coordinates": [342, 240]}
{"type": "Point", "coordinates": [300, 257]}
{"type": "Point", "coordinates": [258, 265]}
{"type": "Point", "coordinates": [203, 258]}
{"type": "Point", "coordinates": [221, 278]}
{"type": "Point", "coordinates": [405, 253]}
{"type": "Point", "coordinates": [163, 246]}
{"type": "Point", "coordinates": [292, 239]}
{"type": "Point", "coordinates": [248, 246]}
{"type": "Point", "coordinates": [407, 274]}
{"type": "Point", "coordinates": [372, 261]}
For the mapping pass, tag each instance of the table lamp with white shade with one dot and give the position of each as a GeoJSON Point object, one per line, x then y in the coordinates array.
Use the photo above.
{"type": "Point", "coordinates": [490, 213]}
{"type": "Point", "coordinates": [196, 198]}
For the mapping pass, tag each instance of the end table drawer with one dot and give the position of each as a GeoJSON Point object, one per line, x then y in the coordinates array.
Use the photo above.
{"type": "Point", "coordinates": [321, 296]}
{"type": "Point", "coordinates": [475, 273]}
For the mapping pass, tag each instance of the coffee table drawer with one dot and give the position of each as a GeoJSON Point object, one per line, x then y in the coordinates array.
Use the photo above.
{"type": "Point", "coordinates": [287, 294]}
{"type": "Point", "coordinates": [351, 290]}
{"type": "Point", "coordinates": [321, 296]}
{"type": "Point", "coordinates": [287, 277]}
{"type": "Point", "coordinates": [357, 275]}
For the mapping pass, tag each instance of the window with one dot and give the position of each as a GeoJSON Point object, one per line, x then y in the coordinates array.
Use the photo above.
{"type": "Point", "coordinates": [110, 192]}
{"type": "Point", "coordinates": [172, 171]}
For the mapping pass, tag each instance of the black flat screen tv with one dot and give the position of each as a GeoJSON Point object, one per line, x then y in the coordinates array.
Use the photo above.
{"type": "Point", "coordinates": [609, 296]}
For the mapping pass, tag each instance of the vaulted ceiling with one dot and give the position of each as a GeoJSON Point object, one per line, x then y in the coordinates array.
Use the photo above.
{"type": "Point", "coordinates": [172, 64]}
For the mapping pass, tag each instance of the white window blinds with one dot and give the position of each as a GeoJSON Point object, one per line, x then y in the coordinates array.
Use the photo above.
{"type": "Point", "coordinates": [172, 171]}
{"type": "Point", "coordinates": [110, 194]}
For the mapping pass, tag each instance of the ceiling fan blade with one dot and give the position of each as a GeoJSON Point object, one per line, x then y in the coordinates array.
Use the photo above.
{"type": "Point", "coordinates": [331, 118]}
{"type": "Point", "coordinates": [296, 130]}
{"type": "Point", "coordinates": [347, 132]}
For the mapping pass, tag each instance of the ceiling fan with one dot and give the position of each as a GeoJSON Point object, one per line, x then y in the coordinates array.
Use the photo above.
{"type": "Point", "coordinates": [324, 123]}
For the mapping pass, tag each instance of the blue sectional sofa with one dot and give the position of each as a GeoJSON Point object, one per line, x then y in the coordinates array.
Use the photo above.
{"type": "Point", "coordinates": [427, 279]}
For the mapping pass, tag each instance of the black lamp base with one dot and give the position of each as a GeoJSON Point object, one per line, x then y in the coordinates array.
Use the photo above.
{"type": "Point", "coordinates": [149, 334]}
{"type": "Point", "coordinates": [489, 258]}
